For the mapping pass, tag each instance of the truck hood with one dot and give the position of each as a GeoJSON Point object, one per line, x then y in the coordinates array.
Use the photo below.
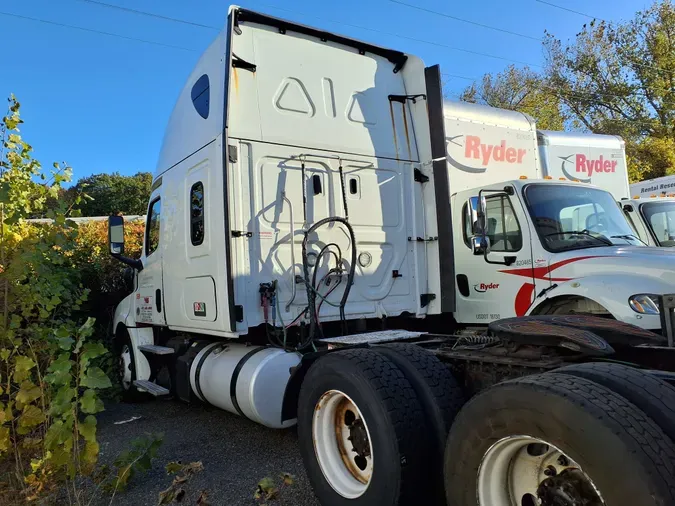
{"type": "Point", "coordinates": [615, 260]}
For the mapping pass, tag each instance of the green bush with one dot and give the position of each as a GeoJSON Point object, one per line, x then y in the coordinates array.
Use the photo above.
{"type": "Point", "coordinates": [49, 380]}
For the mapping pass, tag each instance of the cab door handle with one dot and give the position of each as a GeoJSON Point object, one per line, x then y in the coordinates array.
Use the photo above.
{"type": "Point", "coordinates": [158, 298]}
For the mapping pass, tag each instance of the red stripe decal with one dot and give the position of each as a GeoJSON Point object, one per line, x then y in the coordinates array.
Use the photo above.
{"type": "Point", "coordinates": [545, 272]}
{"type": "Point", "coordinates": [524, 299]}
{"type": "Point", "coordinates": [524, 296]}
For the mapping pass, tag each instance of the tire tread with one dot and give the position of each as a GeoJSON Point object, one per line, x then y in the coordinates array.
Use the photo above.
{"type": "Point", "coordinates": [448, 394]}
{"type": "Point", "coordinates": [653, 396]}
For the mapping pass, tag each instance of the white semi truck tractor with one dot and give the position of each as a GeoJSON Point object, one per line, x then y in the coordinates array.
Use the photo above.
{"type": "Point", "coordinates": [308, 259]}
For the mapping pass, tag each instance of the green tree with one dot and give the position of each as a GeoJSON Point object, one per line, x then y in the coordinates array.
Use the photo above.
{"type": "Point", "coordinates": [519, 89]}
{"type": "Point", "coordinates": [113, 193]}
{"type": "Point", "coordinates": [618, 78]}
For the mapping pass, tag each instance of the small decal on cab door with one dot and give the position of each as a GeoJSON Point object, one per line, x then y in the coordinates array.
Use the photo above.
{"type": "Point", "coordinates": [199, 308]}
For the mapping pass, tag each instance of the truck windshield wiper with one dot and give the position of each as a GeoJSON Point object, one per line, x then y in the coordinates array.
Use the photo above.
{"type": "Point", "coordinates": [586, 233]}
{"type": "Point", "coordinates": [627, 237]}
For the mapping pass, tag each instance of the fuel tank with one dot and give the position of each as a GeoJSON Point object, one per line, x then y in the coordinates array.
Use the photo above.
{"type": "Point", "coordinates": [246, 380]}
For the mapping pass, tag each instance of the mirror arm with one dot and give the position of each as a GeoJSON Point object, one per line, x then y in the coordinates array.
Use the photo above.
{"type": "Point", "coordinates": [134, 263]}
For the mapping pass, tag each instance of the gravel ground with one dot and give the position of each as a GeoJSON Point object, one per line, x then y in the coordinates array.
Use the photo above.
{"type": "Point", "coordinates": [236, 453]}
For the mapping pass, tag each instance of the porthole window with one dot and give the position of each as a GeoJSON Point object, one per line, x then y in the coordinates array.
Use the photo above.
{"type": "Point", "coordinates": [200, 96]}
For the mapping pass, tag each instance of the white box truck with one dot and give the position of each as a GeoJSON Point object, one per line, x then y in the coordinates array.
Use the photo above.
{"type": "Point", "coordinates": [311, 256]}
{"type": "Point", "coordinates": [601, 160]}
{"type": "Point", "coordinates": [589, 158]}
{"type": "Point", "coordinates": [651, 210]}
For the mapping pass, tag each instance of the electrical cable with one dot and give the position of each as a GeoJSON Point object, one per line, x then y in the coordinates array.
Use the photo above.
{"type": "Point", "coordinates": [311, 294]}
{"type": "Point", "coordinates": [150, 14]}
{"type": "Point", "coordinates": [449, 16]}
{"type": "Point", "coordinates": [568, 10]}
{"type": "Point", "coordinates": [318, 311]}
{"type": "Point", "coordinates": [327, 20]}
{"type": "Point", "coordinates": [99, 32]}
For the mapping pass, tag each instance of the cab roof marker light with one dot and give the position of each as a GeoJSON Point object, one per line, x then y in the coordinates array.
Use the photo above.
{"type": "Point", "coordinates": [636, 197]}
{"type": "Point", "coordinates": [562, 178]}
{"type": "Point", "coordinates": [522, 177]}
{"type": "Point", "coordinates": [548, 177]}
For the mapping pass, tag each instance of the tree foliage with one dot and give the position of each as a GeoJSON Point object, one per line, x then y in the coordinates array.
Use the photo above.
{"type": "Point", "coordinates": [49, 380]}
{"type": "Point", "coordinates": [518, 89]}
{"type": "Point", "coordinates": [619, 78]}
{"type": "Point", "coordinates": [612, 78]}
{"type": "Point", "coordinates": [112, 194]}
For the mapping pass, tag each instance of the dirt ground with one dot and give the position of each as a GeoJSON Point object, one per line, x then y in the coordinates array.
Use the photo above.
{"type": "Point", "coordinates": [236, 454]}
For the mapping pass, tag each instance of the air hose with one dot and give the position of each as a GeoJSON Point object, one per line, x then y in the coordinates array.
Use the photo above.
{"type": "Point", "coordinates": [311, 290]}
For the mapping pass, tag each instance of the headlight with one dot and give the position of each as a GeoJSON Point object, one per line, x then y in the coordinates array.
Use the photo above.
{"type": "Point", "coordinates": [644, 303]}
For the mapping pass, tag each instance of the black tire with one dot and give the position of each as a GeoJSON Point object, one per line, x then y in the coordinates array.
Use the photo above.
{"type": "Point", "coordinates": [394, 417]}
{"type": "Point", "coordinates": [439, 394]}
{"type": "Point", "coordinates": [653, 396]}
{"type": "Point", "coordinates": [624, 452]}
{"type": "Point", "coordinates": [131, 394]}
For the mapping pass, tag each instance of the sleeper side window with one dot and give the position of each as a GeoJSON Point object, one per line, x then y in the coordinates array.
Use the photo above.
{"type": "Point", "coordinates": [197, 213]}
{"type": "Point", "coordinates": [200, 96]}
{"type": "Point", "coordinates": [152, 228]}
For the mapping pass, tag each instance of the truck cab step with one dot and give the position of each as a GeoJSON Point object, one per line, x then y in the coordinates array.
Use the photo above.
{"type": "Point", "coordinates": [156, 350]}
{"type": "Point", "coordinates": [151, 388]}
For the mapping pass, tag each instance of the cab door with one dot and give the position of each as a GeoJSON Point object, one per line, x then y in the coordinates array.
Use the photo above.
{"type": "Point", "coordinates": [148, 302]}
{"type": "Point", "coordinates": [504, 286]}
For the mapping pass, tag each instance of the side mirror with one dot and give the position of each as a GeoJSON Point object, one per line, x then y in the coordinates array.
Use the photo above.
{"type": "Point", "coordinates": [479, 241]}
{"type": "Point", "coordinates": [476, 206]}
{"type": "Point", "coordinates": [116, 235]}
{"type": "Point", "coordinates": [480, 245]}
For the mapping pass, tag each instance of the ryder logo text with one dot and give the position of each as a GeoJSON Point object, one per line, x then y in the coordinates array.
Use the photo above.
{"type": "Point", "coordinates": [484, 287]}
{"type": "Point", "coordinates": [474, 148]}
{"type": "Point", "coordinates": [587, 166]}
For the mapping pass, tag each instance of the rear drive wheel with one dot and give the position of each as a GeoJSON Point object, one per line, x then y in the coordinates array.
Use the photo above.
{"type": "Point", "coordinates": [361, 431]}
{"type": "Point", "coordinates": [439, 394]}
{"type": "Point", "coordinates": [653, 396]}
{"type": "Point", "coordinates": [557, 440]}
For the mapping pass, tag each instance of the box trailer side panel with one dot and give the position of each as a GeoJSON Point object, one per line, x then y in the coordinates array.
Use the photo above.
{"type": "Point", "coordinates": [658, 187]}
{"type": "Point", "coordinates": [486, 144]}
{"type": "Point", "coordinates": [589, 158]}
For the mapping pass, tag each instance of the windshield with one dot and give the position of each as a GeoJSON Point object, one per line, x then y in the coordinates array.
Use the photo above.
{"type": "Point", "coordinates": [575, 217]}
{"type": "Point", "coordinates": [660, 217]}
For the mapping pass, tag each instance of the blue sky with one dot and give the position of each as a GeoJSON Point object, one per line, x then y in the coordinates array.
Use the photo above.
{"type": "Point", "coordinates": [100, 103]}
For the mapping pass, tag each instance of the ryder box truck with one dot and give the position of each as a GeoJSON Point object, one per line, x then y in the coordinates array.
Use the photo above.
{"type": "Point", "coordinates": [601, 161]}
{"type": "Point", "coordinates": [302, 264]}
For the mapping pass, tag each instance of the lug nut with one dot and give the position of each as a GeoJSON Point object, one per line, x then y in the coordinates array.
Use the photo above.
{"type": "Point", "coordinates": [550, 471]}
{"type": "Point", "coordinates": [562, 460]}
